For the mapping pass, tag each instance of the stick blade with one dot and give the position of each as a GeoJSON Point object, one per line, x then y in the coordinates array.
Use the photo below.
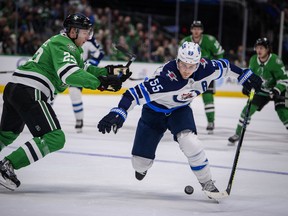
{"type": "Point", "coordinates": [125, 51]}
{"type": "Point", "coordinates": [217, 195]}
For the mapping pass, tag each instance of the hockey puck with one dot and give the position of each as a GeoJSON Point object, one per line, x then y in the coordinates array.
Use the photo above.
{"type": "Point", "coordinates": [189, 189]}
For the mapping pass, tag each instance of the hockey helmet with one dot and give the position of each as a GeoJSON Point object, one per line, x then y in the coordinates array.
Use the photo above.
{"type": "Point", "coordinates": [263, 42]}
{"type": "Point", "coordinates": [197, 23]}
{"type": "Point", "coordinates": [189, 52]}
{"type": "Point", "coordinates": [77, 20]}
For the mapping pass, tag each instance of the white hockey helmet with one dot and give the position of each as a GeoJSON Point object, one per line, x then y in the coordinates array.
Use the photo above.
{"type": "Point", "coordinates": [189, 52]}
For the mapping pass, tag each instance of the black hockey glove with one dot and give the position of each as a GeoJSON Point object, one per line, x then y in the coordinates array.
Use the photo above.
{"type": "Point", "coordinates": [250, 80]}
{"type": "Point", "coordinates": [119, 70]}
{"type": "Point", "coordinates": [245, 91]}
{"type": "Point", "coordinates": [109, 83]}
{"type": "Point", "coordinates": [274, 94]}
{"type": "Point", "coordinates": [114, 119]}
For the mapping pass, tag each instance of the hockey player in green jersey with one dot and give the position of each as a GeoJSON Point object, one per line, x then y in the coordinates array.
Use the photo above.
{"type": "Point", "coordinates": [210, 49]}
{"type": "Point", "coordinates": [270, 68]}
{"type": "Point", "coordinates": [56, 64]}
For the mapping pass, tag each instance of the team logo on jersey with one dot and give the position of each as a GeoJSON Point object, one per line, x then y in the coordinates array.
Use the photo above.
{"type": "Point", "coordinates": [71, 47]}
{"type": "Point", "coordinates": [203, 62]}
{"type": "Point", "coordinates": [186, 96]}
{"type": "Point", "coordinates": [171, 75]}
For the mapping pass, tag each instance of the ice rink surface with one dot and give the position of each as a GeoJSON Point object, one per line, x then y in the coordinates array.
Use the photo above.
{"type": "Point", "coordinates": [93, 175]}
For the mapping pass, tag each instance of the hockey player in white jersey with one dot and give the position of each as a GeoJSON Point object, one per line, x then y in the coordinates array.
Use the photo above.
{"type": "Point", "coordinates": [166, 99]}
{"type": "Point", "coordinates": [92, 54]}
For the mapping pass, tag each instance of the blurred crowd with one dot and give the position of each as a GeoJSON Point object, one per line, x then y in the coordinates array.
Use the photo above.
{"type": "Point", "coordinates": [25, 26]}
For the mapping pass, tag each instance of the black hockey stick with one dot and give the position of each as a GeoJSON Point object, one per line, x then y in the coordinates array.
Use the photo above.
{"type": "Point", "coordinates": [219, 195]}
{"type": "Point", "coordinates": [280, 97]}
{"type": "Point", "coordinates": [132, 57]}
{"type": "Point", "coordinates": [6, 72]}
{"type": "Point", "coordinates": [127, 53]}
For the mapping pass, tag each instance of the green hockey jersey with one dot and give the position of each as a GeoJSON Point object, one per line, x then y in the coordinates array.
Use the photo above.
{"type": "Point", "coordinates": [272, 72]}
{"type": "Point", "coordinates": [57, 64]}
{"type": "Point", "coordinates": [210, 47]}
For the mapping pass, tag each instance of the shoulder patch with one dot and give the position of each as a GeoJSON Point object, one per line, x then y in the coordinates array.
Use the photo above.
{"type": "Point", "coordinates": [278, 61]}
{"type": "Point", "coordinates": [71, 47]}
{"type": "Point", "coordinates": [203, 62]}
{"type": "Point", "coordinates": [210, 37]}
{"type": "Point", "coordinates": [172, 76]}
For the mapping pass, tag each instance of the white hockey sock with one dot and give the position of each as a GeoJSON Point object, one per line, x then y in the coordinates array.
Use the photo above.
{"type": "Point", "coordinates": [193, 150]}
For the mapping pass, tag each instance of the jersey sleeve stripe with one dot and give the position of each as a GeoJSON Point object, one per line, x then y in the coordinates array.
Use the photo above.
{"type": "Point", "coordinates": [145, 93]}
{"type": "Point", "coordinates": [219, 63]}
{"type": "Point", "coordinates": [132, 90]}
{"type": "Point", "coordinates": [63, 73]}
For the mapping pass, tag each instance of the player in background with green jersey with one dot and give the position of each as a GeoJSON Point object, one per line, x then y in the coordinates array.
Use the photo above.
{"type": "Point", "coordinates": [211, 49]}
{"type": "Point", "coordinates": [56, 64]}
{"type": "Point", "coordinates": [270, 68]}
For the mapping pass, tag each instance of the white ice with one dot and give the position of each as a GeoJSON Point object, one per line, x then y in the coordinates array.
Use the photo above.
{"type": "Point", "coordinates": [93, 175]}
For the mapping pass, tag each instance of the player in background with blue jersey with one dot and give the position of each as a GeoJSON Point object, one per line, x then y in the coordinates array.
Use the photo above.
{"type": "Point", "coordinates": [166, 99]}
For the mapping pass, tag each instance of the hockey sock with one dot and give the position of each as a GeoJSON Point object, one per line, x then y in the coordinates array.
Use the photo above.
{"type": "Point", "coordinates": [253, 109]}
{"type": "Point", "coordinates": [283, 115]}
{"type": "Point", "coordinates": [209, 107]}
{"type": "Point", "coordinates": [36, 149]}
{"type": "Point", "coordinates": [193, 150]}
{"type": "Point", "coordinates": [6, 138]}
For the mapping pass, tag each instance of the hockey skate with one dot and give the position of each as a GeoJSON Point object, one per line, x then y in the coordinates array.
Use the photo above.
{"type": "Point", "coordinates": [210, 127]}
{"type": "Point", "coordinates": [139, 175]}
{"type": "Point", "coordinates": [7, 176]}
{"type": "Point", "coordinates": [209, 186]}
{"type": "Point", "coordinates": [79, 125]}
{"type": "Point", "coordinates": [233, 139]}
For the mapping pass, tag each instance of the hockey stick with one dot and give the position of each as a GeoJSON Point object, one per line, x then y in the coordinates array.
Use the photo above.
{"type": "Point", "coordinates": [132, 57]}
{"type": "Point", "coordinates": [226, 193]}
{"type": "Point", "coordinates": [280, 97]}
{"type": "Point", "coordinates": [127, 53]}
{"type": "Point", "coordinates": [6, 72]}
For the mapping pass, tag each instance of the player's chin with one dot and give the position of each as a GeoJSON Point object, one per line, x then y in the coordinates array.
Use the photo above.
{"type": "Point", "coordinates": [185, 76]}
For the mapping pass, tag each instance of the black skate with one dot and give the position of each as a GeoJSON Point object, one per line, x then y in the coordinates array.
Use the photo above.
{"type": "Point", "coordinates": [139, 175]}
{"type": "Point", "coordinates": [210, 127]}
{"type": "Point", "coordinates": [79, 125]}
{"type": "Point", "coordinates": [7, 176]}
{"type": "Point", "coordinates": [209, 186]}
{"type": "Point", "coordinates": [233, 139]}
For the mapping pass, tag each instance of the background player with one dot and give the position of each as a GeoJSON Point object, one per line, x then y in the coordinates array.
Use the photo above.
{"type": "Point", "coordinates": [166, 99]}
{"type": "Point", "coordinates": [270, 68]}
{"type": "Point", "coordinates": [92, 54]}
{"type": "Point", "coordinates": [211, 49]}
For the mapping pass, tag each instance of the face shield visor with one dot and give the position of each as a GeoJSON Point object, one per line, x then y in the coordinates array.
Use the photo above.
{"type": "Point", "coordinates": [86, 33]}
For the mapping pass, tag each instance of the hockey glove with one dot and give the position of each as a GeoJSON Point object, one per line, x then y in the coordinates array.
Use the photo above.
{"type": "Point", "coordinates": [274, 94]}
{"type": "Point", "coordinates": [109, 83]}
{"type": "Point", "coordinates": [114, 119]}
{"type": "Point", "coordinates": [119, 70]}
{"type": "Point", "coordinates": [250, 80]}
{"type": "Point", "coordinates": [245, 91]}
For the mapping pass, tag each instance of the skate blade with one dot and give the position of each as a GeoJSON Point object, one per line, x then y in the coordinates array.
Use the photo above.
{"type": "Point", "coordinates": [231, 144]}
{"type": "Point", "coordinates": [79, 130]}
{"type": "Point", "coordinates": [8, 184]}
